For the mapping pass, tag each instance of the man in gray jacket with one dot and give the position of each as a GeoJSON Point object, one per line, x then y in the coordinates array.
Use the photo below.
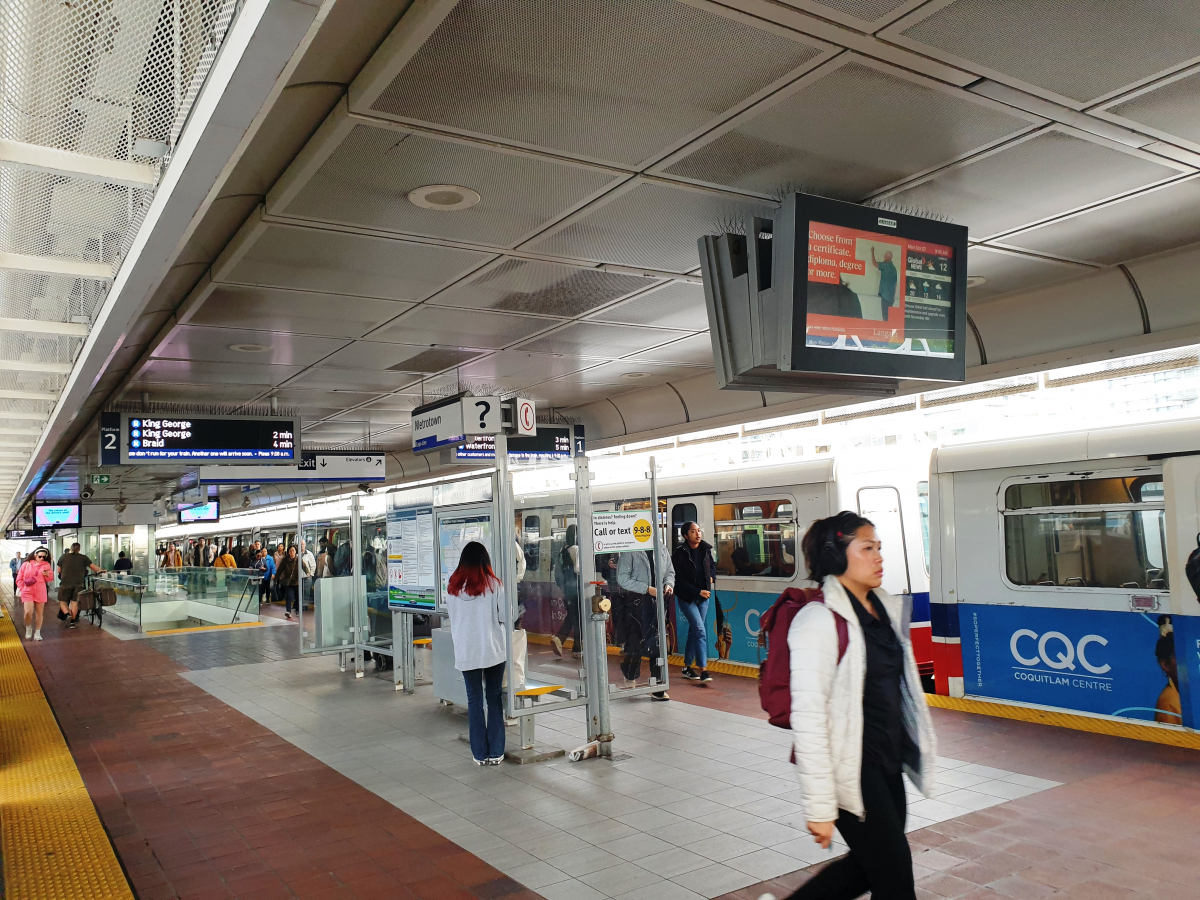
{"type": "Point", "coordinates": [639, 613]}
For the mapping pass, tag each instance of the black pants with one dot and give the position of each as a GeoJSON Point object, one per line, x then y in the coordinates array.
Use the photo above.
{"type": "Point", "coordinates": [570, 625]}
{"type": "Point", "coordinates": [289, 597]}
{"type": "Point", "coordinates": [640, 636]}
{"type": "Point", "coordinates": [879, 860]}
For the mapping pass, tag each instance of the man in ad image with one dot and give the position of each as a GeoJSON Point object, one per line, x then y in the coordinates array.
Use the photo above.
{"type": "Point", "coordinates": [887, 279]}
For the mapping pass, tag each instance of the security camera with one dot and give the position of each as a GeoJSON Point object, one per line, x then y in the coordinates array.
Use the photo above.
{"type": "Point", "coordinates": [245, 503]}
{"type": "Point", "coordinates": [119, 507]}
{"type": "Point", "coordinates": [86, 494]}
{"type": "Point", "coordinates": [366, 488]}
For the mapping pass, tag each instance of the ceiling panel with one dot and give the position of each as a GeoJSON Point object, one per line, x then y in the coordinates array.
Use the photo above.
{"type": "Point", "coordinates": [218, 345]}
{"type": "Point", "coordinates": [317, 260]}
{"type": "Point", "coordinates": [1008, 272]}
{"type": "Point", "coordinates": [598, 340]}
{"type": "Point", "coordinates": [377, 418]}
{"type": "Point", "coordinates": [1147, 223]}
{"type": "Point", "coordinates": [453, 328]}
{"type": "Point", "coordinates": [603, 79]}
{"type": "Point", "coordinates": [856, 12]}
{"type": "Point", "coordinates": [634, 372]}
{"type": "Point", "coordinates": [197, 372]}
{"type": "Point", "coordinates": [676, 304]}
{"type": "Point", "coordinates": [367, 179]}
{"type": "Point", "coordinates": [563, 394]}
{"type": "Point", "coordinates": [375, 356]}
{"type": "Point", "coordinates": [358, 382]}
{"type": "Point", "coordinates": [1048, 174]}
{"type": "Point", "coordinates": [297, 312]}
{"type": "Point", "coordinates": [526, 286]}
{"type": "Point", "coordinates": [514, 369]}
{"type": "Point", "coordinates": [1172, 108]}
{"type": "Point", "coordinates": [695, 350]}
{"type": "Point", "coordinates": [650, 225]}
{"type": "Point", "coordinates": [1078, 49]}
{"type": "Point", "coordinates": [395, 403]}
{"type": "Point", "coordinates": [161, 392]}
{"type": "Point", "coordinates": [893, 128]}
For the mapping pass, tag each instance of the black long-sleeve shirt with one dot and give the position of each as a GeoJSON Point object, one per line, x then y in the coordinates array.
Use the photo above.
{"type": "Point", "coordinates": [884, 736]}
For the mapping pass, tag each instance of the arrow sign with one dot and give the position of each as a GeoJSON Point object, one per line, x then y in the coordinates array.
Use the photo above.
{"type": "Point", "coordinates": [314, 466]}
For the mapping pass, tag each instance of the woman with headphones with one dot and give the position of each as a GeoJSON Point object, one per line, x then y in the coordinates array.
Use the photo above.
{"type": "Point", "coordinates": [859, 716]}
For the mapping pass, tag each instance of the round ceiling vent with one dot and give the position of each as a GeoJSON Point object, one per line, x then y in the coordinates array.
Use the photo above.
{"type": "Point", "coordinates": [975, 280]}
{"type": "Point", "coordinates": [444, 197]}
{"type": "Point", "coordinates": [634, 374]}
{"type": "Point", "coordinates": [249, 348]}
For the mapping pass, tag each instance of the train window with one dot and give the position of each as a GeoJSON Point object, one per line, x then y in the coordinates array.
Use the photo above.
{"type": "Point", "coordinates": [923, 506]}
{"type": "Point", "coordinates": [882, 506]}
{"type": "Point", "coordinates": [755, 539]}
{"type": "Point", "coordinates": [680, 513]}
{"type": "Point", "coordinates": [1088, 548]}
{"type": "Point", "coordinates": [1084, 492]}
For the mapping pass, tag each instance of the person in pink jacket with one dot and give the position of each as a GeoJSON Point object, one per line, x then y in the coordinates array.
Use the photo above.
{"type": "Point", "coordinates": [32, 578]}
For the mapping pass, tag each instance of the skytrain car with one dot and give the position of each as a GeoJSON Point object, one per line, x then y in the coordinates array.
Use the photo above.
{"type": "Point", "coordinates": [1058, 571]}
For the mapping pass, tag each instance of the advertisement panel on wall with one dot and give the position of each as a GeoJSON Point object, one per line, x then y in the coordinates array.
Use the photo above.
{"type": "Point", "coordinates": [622, 531]}
{"type": "Point", "coordinates": [1098, 661]}
{"type": "Point", "coordinates": [412, 581]}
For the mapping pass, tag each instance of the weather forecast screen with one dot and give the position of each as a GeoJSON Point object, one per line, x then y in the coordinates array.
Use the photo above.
{"type": "Point", "coordinates": [177, 439]}
{"type": "Point", "coordinates": [879, 293]}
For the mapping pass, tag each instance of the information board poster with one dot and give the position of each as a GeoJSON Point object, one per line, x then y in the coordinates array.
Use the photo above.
{"type": "Point", "coordinates": [454, 533]}
{"type": "Point", "coordinates": [879, 293]}
{"type": "Point", "coordinates": [623, 531]}
{"type": "Point", "coordinates": [411, 578]}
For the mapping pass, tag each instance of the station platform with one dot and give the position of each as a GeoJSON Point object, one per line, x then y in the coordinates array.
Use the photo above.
{"type": "Point", "coordinates": [222, 764]}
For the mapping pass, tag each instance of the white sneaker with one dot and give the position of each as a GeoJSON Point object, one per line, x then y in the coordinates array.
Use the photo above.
{"type": "Point", "coordinates": [630, 683]}
{"type": "Point", "coordinates": [28, 632]}
{"type": "Point", "coordinates": [37, 635]}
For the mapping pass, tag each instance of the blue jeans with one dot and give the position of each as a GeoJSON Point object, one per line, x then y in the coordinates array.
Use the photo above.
{"type": "Point", "coordinates": [695, 653]}
{"type": "Point", "coordinates": [487, 736]}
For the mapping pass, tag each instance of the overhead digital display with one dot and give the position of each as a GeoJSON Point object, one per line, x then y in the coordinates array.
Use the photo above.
{"type": "Point", "coordinates": [207, 512]}
{"type": "Point", "coordinates": [25, 534]}
{"type": "Point", "coordinates": [195, 439]}
{"type": "Point", "coordinates": [56, 515]}
{"type": "Point", "coordinates": [879, 293]}
{"type": "Point", "coordinates": [550, 442]}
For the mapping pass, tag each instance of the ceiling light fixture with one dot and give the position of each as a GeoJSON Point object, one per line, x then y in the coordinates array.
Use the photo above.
{"type": "Point", "coordinates": [249, 348]}
{"type": "Point", "coordinates": [446, 197]}
{"type": "Point", "coordinates": [975, 280]}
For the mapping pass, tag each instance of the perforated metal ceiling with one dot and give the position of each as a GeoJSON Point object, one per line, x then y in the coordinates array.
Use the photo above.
{"type": "Point", "coordinates": [600, 80]}
{"type": "Point", "coordinates": [604, 137]}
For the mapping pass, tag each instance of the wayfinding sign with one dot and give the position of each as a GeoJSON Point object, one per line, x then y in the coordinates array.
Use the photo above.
{"type": "Point", "coordinates": [315, 466]}
{"type": "Point", "coordinates": [550, 442]}
{"type": "Point", "coordinates": [622, 531]}
{"type": "Point", "coordinates": [175, 439]}
{"type": "Point", "coordinates": [438, 424]}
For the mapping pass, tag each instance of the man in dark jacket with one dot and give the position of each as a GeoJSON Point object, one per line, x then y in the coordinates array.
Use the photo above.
{"type": "Point", "coordinates": [695, 575]}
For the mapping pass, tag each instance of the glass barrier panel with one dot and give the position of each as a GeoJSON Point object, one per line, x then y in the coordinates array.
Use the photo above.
{"type": "Point", "coordinates": [326, 624]}
{"type": "Point", "coordinates": [179, 596]}
{"type": "Point", "coordinates": [376, 615]}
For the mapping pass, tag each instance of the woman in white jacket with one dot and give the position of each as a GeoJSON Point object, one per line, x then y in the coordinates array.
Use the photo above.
{"type": "Point", "coordinates": [858, 721]}
{"type": "Point", "coordinates": [475, 602]}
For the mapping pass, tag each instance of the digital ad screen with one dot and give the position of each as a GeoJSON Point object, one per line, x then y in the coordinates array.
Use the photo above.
{"type": "Point", "coordinates": [208, 438]}
{"type": "Point", "coordinates": [56, 515]}
{"type": "Point", "coordinates": [208, 512]}
{"type": "Point", "coordinates": [879, 293]}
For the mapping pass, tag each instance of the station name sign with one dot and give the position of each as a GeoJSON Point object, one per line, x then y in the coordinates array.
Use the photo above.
{"type": "Point", "coordinates": [185, 439]}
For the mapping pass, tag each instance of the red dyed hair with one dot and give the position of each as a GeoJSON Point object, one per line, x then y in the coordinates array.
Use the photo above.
{"type": "Point", "coordinates": [474, 575]}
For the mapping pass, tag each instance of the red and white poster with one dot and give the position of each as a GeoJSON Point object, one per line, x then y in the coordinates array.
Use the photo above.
{"type": "Point", "coordinates": [878, 293]}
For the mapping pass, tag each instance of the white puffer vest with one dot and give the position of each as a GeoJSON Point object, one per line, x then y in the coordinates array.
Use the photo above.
{"type": "Point", "coordinates": [827, 704]}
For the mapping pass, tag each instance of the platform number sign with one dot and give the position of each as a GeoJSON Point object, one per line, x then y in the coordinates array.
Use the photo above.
{"type": "Point", "coordinates": [110, 439]}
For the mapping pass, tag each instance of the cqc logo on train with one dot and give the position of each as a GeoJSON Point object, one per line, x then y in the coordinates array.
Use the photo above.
{"type": "Point", "coordinates": [1052, 658]}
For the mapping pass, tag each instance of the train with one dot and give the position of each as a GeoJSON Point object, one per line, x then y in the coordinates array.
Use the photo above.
{"type": "Point", "coordinates": [1039, 569]}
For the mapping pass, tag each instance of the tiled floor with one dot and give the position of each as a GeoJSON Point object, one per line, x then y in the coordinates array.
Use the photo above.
{"type": "Point", "coordinates": [702, 803]}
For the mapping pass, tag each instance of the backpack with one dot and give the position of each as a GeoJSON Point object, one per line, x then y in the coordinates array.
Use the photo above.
{"type": "Point", "coordinates": [1192, 568]}
{"type": "Point", "coordinates": [775, 672]}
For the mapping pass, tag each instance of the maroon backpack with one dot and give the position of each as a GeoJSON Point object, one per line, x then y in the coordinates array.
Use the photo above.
{"type": "Point", "coordinates": [775, 672]}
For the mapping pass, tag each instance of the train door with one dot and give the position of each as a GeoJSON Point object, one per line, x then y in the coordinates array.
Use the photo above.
{"type": "Point", "coordinates": [699, 509]}
{"type": "Point", "coordinates": [881, 505]}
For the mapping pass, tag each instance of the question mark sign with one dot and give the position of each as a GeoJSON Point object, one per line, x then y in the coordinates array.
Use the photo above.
{"type": "Point", "coordinates": [487, 408]}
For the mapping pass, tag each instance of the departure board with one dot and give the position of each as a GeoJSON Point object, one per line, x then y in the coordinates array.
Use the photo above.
{"type": "Point", "coordinates": [212, 439]}
{"type": "Point", "coordinates": [551, 442]}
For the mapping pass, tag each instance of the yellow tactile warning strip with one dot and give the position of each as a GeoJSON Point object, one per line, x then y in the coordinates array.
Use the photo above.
{"type": "Point", "coordinates": [206, 628]}
{"type": "Point", "coordinates": [53, 844]}
{"type": "Point", "coordinates": [721, 666]}
{"type": "Point", "coordinates": [1115, 727]}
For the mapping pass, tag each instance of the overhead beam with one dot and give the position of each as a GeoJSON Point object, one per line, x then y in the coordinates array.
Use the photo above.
{"type": "Point", "coordinates": [65, 162]}
{"type": "Point", "coordinates": [50, 265]}
{"type": "Point", "coordinates": [16, 365]}
{"type": "Point", "coordinates": [19, 431]}
{"type": "Point", "coordinates": [43, 396]}
{"type": "Point", "coordinates": [39, 326]}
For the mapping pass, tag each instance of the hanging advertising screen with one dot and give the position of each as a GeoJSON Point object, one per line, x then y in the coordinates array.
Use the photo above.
{"type": "Point", "coordinates": [56, 515]}
{"type": "Point", "coordinates": [205, 512]}
{"type": "Point", "coordinates": [870, 292]}
{"type": "Point", "coordinates": [186, 439]}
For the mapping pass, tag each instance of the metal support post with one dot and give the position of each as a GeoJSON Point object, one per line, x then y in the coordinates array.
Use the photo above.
{"type": "Point", "coordinates": [659, 557]}
{"type": "Point", "coordinates": [300, 562]}
{"type": "Point", "coordinates": [404, 660]}
{"type": "Point", "coordinates": [505, 560]}
{"type": "Point", "coordinates": [358, 601]}
{"type": "Point", "coordinates": [595, 655]}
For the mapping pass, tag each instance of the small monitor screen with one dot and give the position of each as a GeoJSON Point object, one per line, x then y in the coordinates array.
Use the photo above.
{"type": "Point", "coordinates": [56, 515]}
{"type": "Point", "coordinates": [208, 512]}
{"type": "Point", "coordinates": [879, 293]}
